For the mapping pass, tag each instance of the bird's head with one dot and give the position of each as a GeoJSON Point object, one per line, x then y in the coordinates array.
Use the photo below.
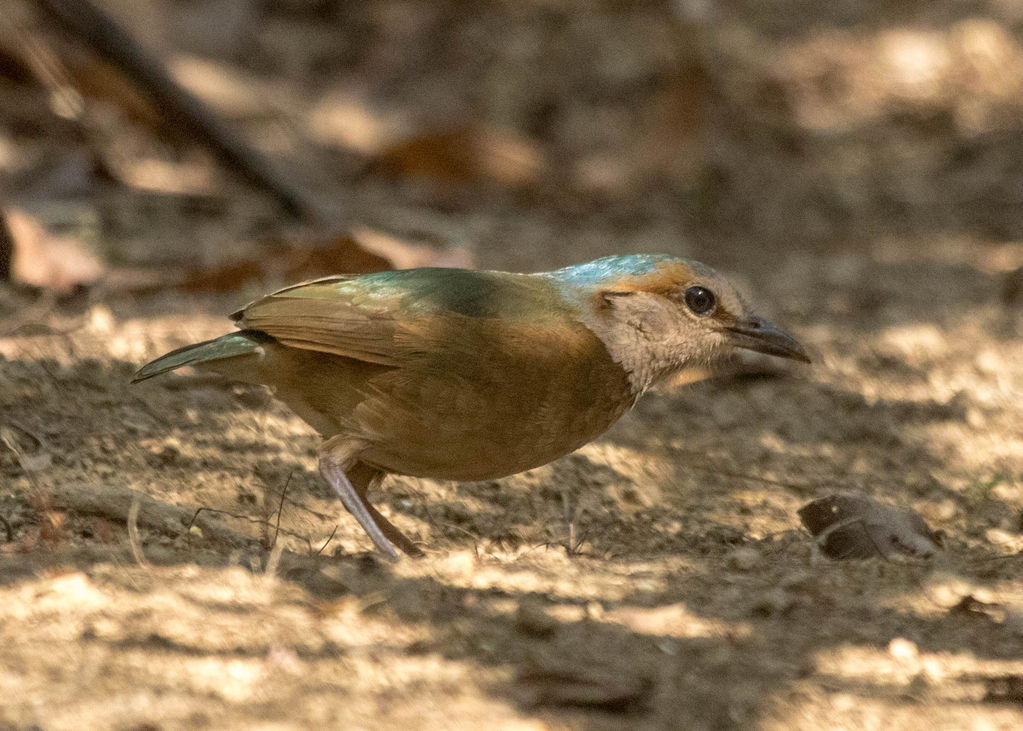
{"type": "Point", "coordinates": [659, 315]}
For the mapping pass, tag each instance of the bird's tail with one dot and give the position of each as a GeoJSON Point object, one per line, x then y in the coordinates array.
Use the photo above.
{"type": "Point", "coordinates": [245, 342]}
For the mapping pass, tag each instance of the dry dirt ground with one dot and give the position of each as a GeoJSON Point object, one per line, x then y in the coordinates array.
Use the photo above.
{"type": "Point", "coordinates": [657, 578]}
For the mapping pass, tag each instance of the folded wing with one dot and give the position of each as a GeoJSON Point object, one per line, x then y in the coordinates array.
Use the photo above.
{"type": "Point", "coordinates": [383, 317]}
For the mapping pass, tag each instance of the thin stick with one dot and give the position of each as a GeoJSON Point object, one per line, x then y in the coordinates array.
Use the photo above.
{"type": "Point", "coordinates": [329, 539]}
{"type": "Point", "coordinates": [280, 508]}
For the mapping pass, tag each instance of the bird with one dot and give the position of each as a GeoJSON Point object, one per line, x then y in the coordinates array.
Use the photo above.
{"type": "Point", "coordinates": [469, 375]}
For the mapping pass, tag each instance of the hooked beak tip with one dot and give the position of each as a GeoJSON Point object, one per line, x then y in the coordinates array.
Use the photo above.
{"type": "Point", "coordinates": [763, 337]}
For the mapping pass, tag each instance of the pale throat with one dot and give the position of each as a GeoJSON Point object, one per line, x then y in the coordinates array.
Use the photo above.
{"type": "Point", "coordinates": [645, 357]}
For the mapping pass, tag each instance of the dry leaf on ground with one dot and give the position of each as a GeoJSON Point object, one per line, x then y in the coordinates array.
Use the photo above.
{"type": "Point", "coordinates": [41, 259]}
{"type": "Point", "coordinates": [855, 526]}
{"type": "Point", "coordinates": [466, 155]}
{"type": "Point", "coordinates": [364, 250]}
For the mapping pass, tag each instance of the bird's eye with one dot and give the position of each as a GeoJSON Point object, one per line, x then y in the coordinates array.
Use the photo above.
{"type": "Point", "coordinates": [700, 300]}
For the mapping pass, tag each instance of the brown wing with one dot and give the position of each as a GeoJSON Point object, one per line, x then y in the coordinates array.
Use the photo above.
{"type": "Point", "coordinates": [329, 315]}
{"type": "Point", "coordinates": [383, 317]}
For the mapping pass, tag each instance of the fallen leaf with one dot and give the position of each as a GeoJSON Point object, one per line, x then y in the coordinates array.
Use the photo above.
{"type": "Point", "coordinates": [289, 263]}
{"type": "Point", "coordinates": [364, 250]}
{"type": "Point", "coordinates": [466, 155]}
{"type": "Point", "coordinates": [339, 255]}
{"type": "Point", "coordinates": [406, 255]}
{"type": "Point", "coordinates": [855, 526]}
{"type": "Point", "coordinates": [223, 278]}
{"type": "Point", "coordinates": [29, 254]}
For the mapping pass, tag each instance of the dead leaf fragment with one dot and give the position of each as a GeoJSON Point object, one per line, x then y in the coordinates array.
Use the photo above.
{"type": "Point", "coordinates": [41, 259]}
{"type": "Point", "coordinates": [854, 526]}
{"type": "Point", "coordinates": [404, 254]}
{"type": "Point", "coordinates": [223, 278]}
{"type": "Point", "coordinates": [363, 250]}
{"type": "Point", "coordinates": [289, 263]}
{"type": "Point", "coordinates": [466, 155]}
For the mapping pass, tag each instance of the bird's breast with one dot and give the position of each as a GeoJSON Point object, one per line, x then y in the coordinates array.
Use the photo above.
{"type": "Point", "coordinates": [491, 398]}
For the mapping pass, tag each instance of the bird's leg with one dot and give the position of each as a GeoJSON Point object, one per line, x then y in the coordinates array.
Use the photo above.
{"type": "Point", "coordinates": [382, 532]}
{"type": "Point", "coordinates": [333, 471]}
{"type": "Point", "coordinates": [363, 477]}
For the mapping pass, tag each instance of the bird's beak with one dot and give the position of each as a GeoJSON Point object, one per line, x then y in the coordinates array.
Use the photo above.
{"type": "Point", "coordinates": [763, 337]}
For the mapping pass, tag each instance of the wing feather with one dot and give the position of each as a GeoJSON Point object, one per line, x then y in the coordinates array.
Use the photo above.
{"type": "Point", "coordinates": [382, 318]}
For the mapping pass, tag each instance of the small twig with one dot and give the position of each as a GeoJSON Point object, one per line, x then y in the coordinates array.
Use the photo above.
{"type": "Point", "coordinates": [133, 533]}
{"type": "Point", "coordinates": [752, 478]}
{"type": "Point", "coordinates": [280, 508]}
{"type": "Point", "coordinates": [329, 539]}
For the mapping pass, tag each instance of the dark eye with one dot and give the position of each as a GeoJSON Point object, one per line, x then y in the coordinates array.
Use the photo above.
{"type": "Point", "coordinates": [700, 300]}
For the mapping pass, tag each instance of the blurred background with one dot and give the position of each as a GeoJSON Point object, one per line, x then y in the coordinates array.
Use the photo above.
{"type": "Point", "coordinates": [518, 134]}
